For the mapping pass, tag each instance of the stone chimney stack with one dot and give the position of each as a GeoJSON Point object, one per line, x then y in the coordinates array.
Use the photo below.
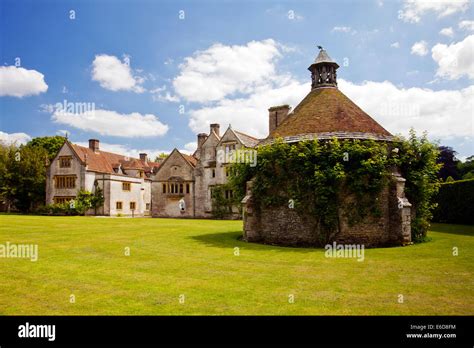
{"type": "Point", "coordinates": [94, 145]}
{"type": "Point", "coordinates": [144, 157]}
{"type": "Point", "coordinates": [201, 139]}
{"type": "Point", "coordinates": [276, 115]}
{"type": "Point", "coordinates": [215, 127]}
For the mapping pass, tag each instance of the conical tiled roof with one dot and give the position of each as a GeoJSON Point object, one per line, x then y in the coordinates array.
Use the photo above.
{"type": "Point", "coordinates": [323, 57]}
{"type": "Point", "coordinates": [327, 111]}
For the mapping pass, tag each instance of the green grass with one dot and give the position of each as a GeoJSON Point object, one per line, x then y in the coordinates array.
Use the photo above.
{"type": "Point", "coordinates": [84, 256]}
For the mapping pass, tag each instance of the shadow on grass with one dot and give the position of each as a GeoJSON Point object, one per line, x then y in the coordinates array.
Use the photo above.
{"type": "Point", "coordinates": [233, 239]}
{"type": "Point", "coordinates": [463, 230]}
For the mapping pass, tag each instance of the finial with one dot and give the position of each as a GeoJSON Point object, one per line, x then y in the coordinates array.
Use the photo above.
{"type": "Point", "coordinates": [320, 47]}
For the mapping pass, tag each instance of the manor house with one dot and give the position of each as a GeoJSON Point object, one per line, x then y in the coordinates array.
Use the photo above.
{"type": "Point", "coordinates": [179, 186]}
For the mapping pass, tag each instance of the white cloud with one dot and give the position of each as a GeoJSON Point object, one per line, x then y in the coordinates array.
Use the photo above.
{"type": "Point", "coordinates": [114, 75]}
{"type": "Point", "coordinates": [107, 122]}
{"type": "Point", "coordinates": [449, 32]}
{"type": "Point", "coordinates": [250, 114]}
{"type": "Point", "coordinates": [413, 10]}
{"type": "Point", "coordinates": [17, 138]}
{"type": "Point", "coordinates": [444, 113]}
{"type": "Point", "coordinates": [395, 45]}
{"type": "Point", "coordinates": [20, 82]}
{"type": "Point", "coordinates": [189, 148]}
{"type": "Point", "coordinates": [466, 25]}
{"type": "Point", "coordinates": [420, 48]}
{"type": "Point", "coordinates": [455, 60]}
{"type": "Point", "coordinates": [221, 71]}
{"type": "Point", "coordinates": [161, 94]}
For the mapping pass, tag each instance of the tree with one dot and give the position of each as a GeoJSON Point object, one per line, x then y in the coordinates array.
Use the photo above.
{"type": "Point", "coordinates": [50, 144]}
{"type": "Point", "coordinates": [23, 175]}
{"type": "Point", "coordinates": [466, 168]}
{"type": "Point", "coordinates": [8, 154]}
{"type": "Point", "coordinates": [160, 157]}
{"type": "Point", "coordinates": [447, 157]}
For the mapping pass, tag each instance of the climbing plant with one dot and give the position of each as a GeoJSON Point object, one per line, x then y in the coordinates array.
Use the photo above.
{"type": "Point", "coordinates": [315, 176]}
{"type": "Point", "coordinates": [418, 165]}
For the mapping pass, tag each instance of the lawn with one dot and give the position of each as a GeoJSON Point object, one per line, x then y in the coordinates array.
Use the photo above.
{"type": "Point", "coordinates": [195, 261]}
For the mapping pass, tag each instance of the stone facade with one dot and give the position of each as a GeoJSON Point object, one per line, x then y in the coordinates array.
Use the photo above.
{"type": "Point", "coordinates": [285, 226]}
{"type": "Point", "coordinates": [205, 169]}
{"type": "Point", "coordinates": [124, 182]}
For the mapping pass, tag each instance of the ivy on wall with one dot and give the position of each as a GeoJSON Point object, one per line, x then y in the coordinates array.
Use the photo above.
{"type": "Point", "coordinates": [313, 176]}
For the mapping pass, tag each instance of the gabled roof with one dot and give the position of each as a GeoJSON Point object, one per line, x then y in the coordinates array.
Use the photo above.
{"type": "Point", "coordinates": [212, 133]}
{"type": "Point", "coordinates": [244, 139]}
{"type": "Point", "coordinates": [105, 162]}
{"type": "Point", "coordinates": [191, 160]}
{"type": "Point", "coordinates": [328, 110]}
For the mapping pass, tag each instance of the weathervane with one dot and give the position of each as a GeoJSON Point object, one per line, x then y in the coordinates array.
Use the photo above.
{"type": "Point", "coordinates": [320, 47]}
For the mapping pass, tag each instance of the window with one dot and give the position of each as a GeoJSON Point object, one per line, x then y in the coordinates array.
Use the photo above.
{"type": "Point", "coordinates": [229, 148]}
{"type": "Point", "coordinates": [126, 186]}
{"type": "Point", "coordinates": [180, 188]}
{"type": "Point", "coordinates": [227, 171]}
{"type": "Point", "coordinates": [213, 173]}
{"type": "Point", "coordinates": [60, 200]}
{"type": "Point", "coordinates": [118, 205]}
{"type": "Point", "coordinates": [132, 205]}
{"type": "Point", "coordinates": [164, 188]}
{"type": "Point", "coordinates": [65, 181]}
{"type": "Point", "coordinates": [187, 188]}
{"type": "Point", "coordinates": [229, 194]}
{"type": "Point", "coordinates": [147, 206]}
{"type": "Point", "coordinates": [65, 161]}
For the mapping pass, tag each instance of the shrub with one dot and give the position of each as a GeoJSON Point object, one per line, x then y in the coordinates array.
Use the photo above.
{"type": "Point", "coordinates": [455, 202]}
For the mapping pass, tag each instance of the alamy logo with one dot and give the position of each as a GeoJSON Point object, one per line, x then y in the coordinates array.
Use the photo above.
{"type": "Point", "coordinates": [345, 251]}
{"type": "Point", "coordinates": [37, 331]}
{"type": "Point", "coordinates": [25, 251]}
{"type": "Point", "coordinates": [238, 156]}
{"type": "Point", "coordinates": [66, 108]}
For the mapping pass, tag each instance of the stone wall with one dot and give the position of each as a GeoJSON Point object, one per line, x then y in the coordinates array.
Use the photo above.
{"type": "Point", "coordinates": [175, 170]}
{"type": "Point", "coordinates": [285, 226]}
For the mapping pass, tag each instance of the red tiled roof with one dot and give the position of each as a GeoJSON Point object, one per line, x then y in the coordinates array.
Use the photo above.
{"type": "Point", "coordinates": [191, 159]}
{"type": "Point", "coordinates": [327, 110]}
{"type": "Point", "coordinates": [105, 162]}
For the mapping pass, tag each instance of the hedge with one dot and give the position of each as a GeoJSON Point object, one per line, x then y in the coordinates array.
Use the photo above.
{"type": "Point", "coordinates": [455, 202]}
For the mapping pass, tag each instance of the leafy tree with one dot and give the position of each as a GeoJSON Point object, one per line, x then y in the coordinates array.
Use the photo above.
{"type": "Point", "coordinates": [23, 175]}
{"type": "Point", "coordinates": [50, 144]}
{"type": "Point", "coordinates": [447, 157]}
{"type": "Point", "coordinates": [466, 168]}
{"type": "Point", "coordinates": [160, 157]}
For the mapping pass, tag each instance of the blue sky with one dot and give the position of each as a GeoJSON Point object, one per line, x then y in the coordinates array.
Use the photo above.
{"type": "Point", "coordinates": [158, 72]}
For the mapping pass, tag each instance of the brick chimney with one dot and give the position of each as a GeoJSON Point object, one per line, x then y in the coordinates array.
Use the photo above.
{"type": "Point", "coordinates": [94, 145]}
{"type": "Point", "coordinates": [143, 157]}
{"type": "Point", "coordinates": [215, 127]}
{"type": "Point", "coordinates": [276, 115]}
